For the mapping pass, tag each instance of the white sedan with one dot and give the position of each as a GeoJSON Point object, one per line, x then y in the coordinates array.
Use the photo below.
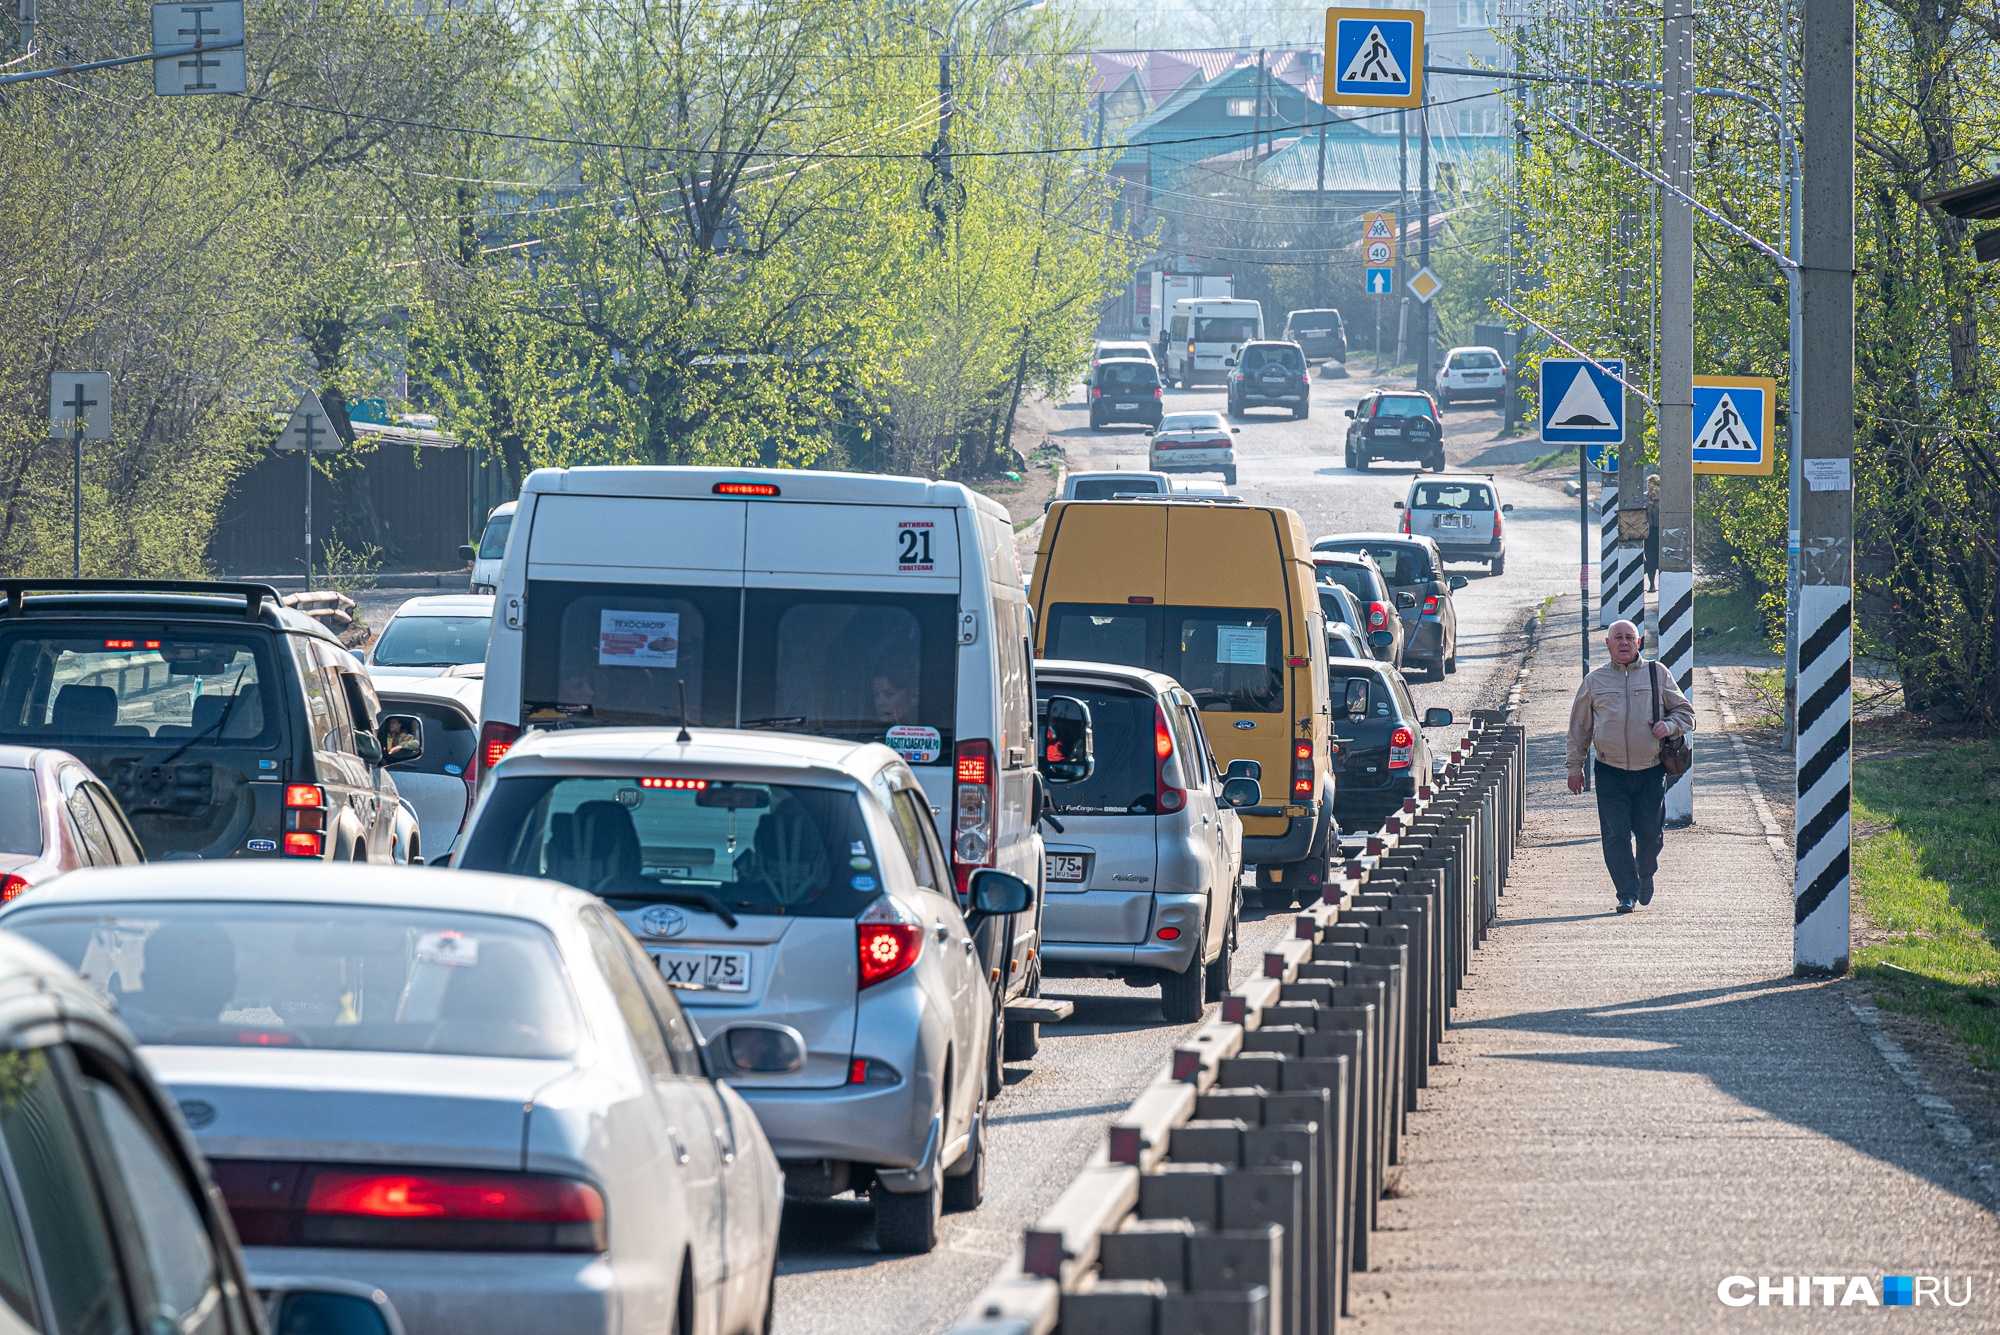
{"type": "Point", "coordinates": [471, 1092]}
{"type": "Point", "coordinates": [1193, 443]}
{"type": "Point", "coordinates": [430, 636]}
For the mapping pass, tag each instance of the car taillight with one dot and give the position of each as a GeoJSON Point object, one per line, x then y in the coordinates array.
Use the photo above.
{"type": "Point", "coordinates": [1096, 393]}
{"type": "Point", "coordinates": [975, 813]}
{"type": "Point", "coordinates": [1158, 393]}
{"type": "Point", "coordinates": [1219, 443]}
{"type": "Point", "coordinates": [1430, 604]}
{"type": "Point", "coordinates": [1401, 741]}
{"type": "Point", "coordinates": [11, 885]}
{"type": "Point", "coordinates": [887, 938]}
{"type": "Point", "coordinates": [1496, 525]}
{"type": "Point", "coordinates": [1169, 792]}
{"type": "Point", "coordinates": [495, 741]}
{"type": "Point", "coordinates": [305, 820]}
{"type": "Point", "coordinates": [1378, 616]}
{"type": "Point", "coordinates": [451, 1210]}
{"type": "Point", "coordinates": [1302, 769]}
{"type": "Point", "coordinates": [304, 795]}
{"type": "Point", "coordinates": [1406, 519]}
{"type": "Point", "coordinates": [304, 843]}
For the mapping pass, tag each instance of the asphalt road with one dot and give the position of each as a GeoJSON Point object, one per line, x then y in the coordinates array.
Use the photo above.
{"type": "Point", "coordinates": [1054, 1111]}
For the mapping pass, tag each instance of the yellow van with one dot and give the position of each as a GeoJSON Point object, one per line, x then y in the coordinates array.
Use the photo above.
{"type": "Point", "coordinates": [1218, 595]}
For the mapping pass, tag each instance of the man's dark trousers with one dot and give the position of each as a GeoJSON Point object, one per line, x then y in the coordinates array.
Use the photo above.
{"type": "Point", "coordinates": [1631, 807]}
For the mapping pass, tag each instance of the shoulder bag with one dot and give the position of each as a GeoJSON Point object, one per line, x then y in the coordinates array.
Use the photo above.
{"type": "Point", "coordinates": [1676, 756]}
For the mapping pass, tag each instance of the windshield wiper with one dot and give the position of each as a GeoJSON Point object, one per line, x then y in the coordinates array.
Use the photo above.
{"type": "Point", "coordinates": [221, 720]}
{"type": "Point", "coordinates": [700, 899]}
{"type": "Point", "coordinates": [776, 721]}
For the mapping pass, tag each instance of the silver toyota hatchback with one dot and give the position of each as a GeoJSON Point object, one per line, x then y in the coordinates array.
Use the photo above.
{"type": "Point", "coordinates": [1143, 879]}
{"type": "Point", "coordinates": [794, 891]}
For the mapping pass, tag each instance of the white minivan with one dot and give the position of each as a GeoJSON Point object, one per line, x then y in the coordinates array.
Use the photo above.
{"type": "Point", "coordinates": [1204, 336]}
{"type": "Point", "coordinates": [868, 608]}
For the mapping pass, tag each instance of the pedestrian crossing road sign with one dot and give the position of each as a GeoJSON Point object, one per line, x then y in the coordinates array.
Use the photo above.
{"type": "Point", "coordinates": [1381, 282]}
{"type": "Point", "coordinates": [1735, 421]}
{"type": "Point", "coordinates": [1583, 402]}
{"type": "Point", "coordinates": [1374, 58]}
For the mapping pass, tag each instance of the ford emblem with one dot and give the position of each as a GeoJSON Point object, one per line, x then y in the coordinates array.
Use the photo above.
{"type": "Point", "coordinates": [198, 1113]}
{"type": "Point", "coordinates": [1245, 724]}
{"type": "Point", "coordinates": [660, 920]}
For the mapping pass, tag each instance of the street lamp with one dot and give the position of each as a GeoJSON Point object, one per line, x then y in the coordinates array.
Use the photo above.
{"type": "Point", "coordinates": [942, 193]}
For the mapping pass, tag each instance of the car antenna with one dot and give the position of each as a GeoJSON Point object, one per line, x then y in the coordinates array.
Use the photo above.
{"type": "Point", "coordinates": [685, 736]}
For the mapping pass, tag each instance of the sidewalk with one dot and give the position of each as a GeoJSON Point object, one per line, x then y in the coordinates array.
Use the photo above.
{"type": "Point", "coordinates": [1634, 1108]}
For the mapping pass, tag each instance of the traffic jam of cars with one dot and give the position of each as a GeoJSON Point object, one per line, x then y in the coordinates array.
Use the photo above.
{"type": "Point", "coordinates": [712, 851]}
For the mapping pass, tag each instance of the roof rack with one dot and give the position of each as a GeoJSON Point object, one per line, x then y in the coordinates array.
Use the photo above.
{"type": "Point", "coordinates": [14, 591]}
{"type": "Point", "coordinates": [1177, 498]}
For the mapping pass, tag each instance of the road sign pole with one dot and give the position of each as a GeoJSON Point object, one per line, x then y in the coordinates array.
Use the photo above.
{"type": "Point", "coordinates": [76, 500]}
{"type": "Point", "coordinates": [1424, 377]}
{"type": "Point", "coordinates": [1676, 397]}
{"type": "Point", "coordinates": [1820, 932]}
{"type": "Point", "coordinates": [1583, 558]}
{"type": "Point", "coordinates": [307, 451]}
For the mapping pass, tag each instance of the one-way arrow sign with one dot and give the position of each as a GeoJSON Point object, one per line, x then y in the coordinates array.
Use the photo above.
{"type": "Point", "coordinates": [309, 428]}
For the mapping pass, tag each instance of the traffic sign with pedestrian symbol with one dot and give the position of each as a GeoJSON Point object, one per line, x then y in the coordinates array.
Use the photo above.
{"type": "Point", "coordinates": [1583, 402]}
{"type": "Point", "coordinates": [1374, 57]}
{"type": "Point", "coordinates": [1378, 253]}
{"type": "Point", "coordinates": [1735, 421]}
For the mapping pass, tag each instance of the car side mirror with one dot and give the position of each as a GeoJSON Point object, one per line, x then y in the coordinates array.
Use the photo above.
{"type": "Point", "coordinates": [401, 739]}
{"type": "Point", "coordinates": [1243, 769]}
{"type": "Point", "coordinates": [1437, 718]}
{"type": "Point", "coordinates": [993, 893]}
{"type": "Point", "coordinates": [1397, 504]}
{"type": "Point", "coordinates": [1242, 793]}
{"type": "Point", "coordinates": [368, 747]}
{"type": "Point", "coordinates": [1458, 581]}
{"type": "Point", "coordinates": [1066, 740]}
{"type": "Point", "coordinates": [1356, 701]}
{"type": "Point", "coordinates": [323, 1309]}
{"type": "Point", "coordinates": [1236, 431]}
{"type": "Point", "coordinates": [1229, 361]}
{"type": "Point", "coordinates": [467, 552]}
{"type": "Point", "coordinates": [359, 657]}
{"type": "Point", "coordinates": [1506, 509]}
{"type": "Point", "coordinates": [1405, 600]}
{"type": "Point", "coordinates": [1350, 412]}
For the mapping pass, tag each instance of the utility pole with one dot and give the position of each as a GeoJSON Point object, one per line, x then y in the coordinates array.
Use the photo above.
{"type": "Point", "coordinates": [1676, 396]}
{"type": "Point", "coordinates": [1402, 223]}
{"type": "Point", "coordinates": [1825, 380]}
{"type": "Point", "coordinates": [941, 152]}
{"type": "Point", "coordinates": [1424, 234]}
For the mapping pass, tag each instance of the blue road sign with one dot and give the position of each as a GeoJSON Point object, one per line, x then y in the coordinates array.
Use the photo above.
{"type": "Point", "coordinates": [1604, 458]}
{"type": "Point", "coordinates": [1583, 402]}
{"type": "Point", "coordinates": [1735, 418]}
{"type": "Point", "coordinates": [1374, 57]}
{"type": "Point", "coordinates": [1381, 280]}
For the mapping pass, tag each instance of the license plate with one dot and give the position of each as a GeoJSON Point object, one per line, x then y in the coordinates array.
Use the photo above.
{"type": "Point", "coordinates": [1062, 866]}
{"type": "Point", "coordinates": [1451, 521]}
{"type": "Point", "coordinates": [1388, 431]}
{"type": "Point", "coordinates": [705, 970]}
{"type": "Point", "coordinates": [1124, 406]}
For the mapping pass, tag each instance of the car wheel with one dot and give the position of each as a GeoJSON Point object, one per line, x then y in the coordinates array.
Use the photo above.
{"type": "Point", "coordinates": [1023, 1039]}
{"type": "Point", "coordinates": [1434, 670]}
{"type": "Point", "coordinates": [1498, 565]}
{"type": "Point", "coordinates": [1183, 994]}
{"type": "Point", "coordinates": [1451, 663]}
{"type": "Point", "coordinates": [906, 1222]}
{"type": "Point", "coordinates": [967, 1190]}
{"type": "Point", "coordinates": [1218, 968]}
{"type": "Point", "coordinates": [770, 1322]}
{"type": "Point", "coordinates": [1302, 412]}
{"type": "Point", "coordinates": [1436, 463]}
{"type": "Point", "coordinates": [1229, 477]}
{"type": "Point", "coordinates": [1095, 424]}
{"type": "Point", "coordinates": [1361, 461]}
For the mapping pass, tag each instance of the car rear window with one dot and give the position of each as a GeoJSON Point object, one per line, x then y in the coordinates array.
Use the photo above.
{"type": "Point", "coordinates": [1359, 581]}
{"type": "Point", "coordinates": [1121, 782]}
{"type": "Point", "coordinates": [1284, 355]}
{"type": "Point", "coordinates": [1193, 422]}
{"type": "Point", "coordinates": [355, 978]}
{"type": "Point", "coordinates": [1402, 405]}
{"type": "Point", "coordinates": [1475, 361]}
{"type": "Point", "coordinates": [1224, 329]}
{"type": "Point", "coordinates": [1127, 375]}
{"type": "Point", "coordinates": [754, 848]}
{"type": "Point", "coordinates": [1381, 704]}
{"type": "Point", "coordinates": [1315, 323]}
{"type": "Point", "coordinates": [20, 813]}
{"type": "Point", "coordinates": [1228, 658]}
{"type": "Point", "coordinates": [1335, 609]}
{"type": "Point", "coordinates": [1451, 496]}
{"type": "Point", "coordinates": [432, 641]}
{"type": "Point", "coordinates": [1105, 488]}
{"type": "Point", "coordinates": [1399, 562]}
{"type": "Point", "coordinates": [449, 737]}
{"type": "Point", "coordinates": [133, 684]}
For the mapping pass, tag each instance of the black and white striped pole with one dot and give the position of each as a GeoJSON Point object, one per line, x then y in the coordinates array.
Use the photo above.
{"type": "Point", "coordinates": [1675, 407]}
{"type": "Point", "coordinates": [1607, 549]}
{"type": "Point", "coordinates": [1824, 388]}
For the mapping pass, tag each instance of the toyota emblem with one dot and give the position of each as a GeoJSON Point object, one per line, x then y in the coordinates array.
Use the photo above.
{"type": "Point", "coordinates": [661, 920]}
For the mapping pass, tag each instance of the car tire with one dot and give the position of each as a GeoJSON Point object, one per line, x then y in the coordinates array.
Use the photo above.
{"type": "Point", "coordinates": [906, 1222]}
{"type": "Point", "coordinates": [1451, 663]}
{"type": "Point", "coordinates": [1434, 670]}
{"type": "Point", "coordinates": [1183, 995]}
{"type": "Point", "coordinates": [1444, 399]}
{"type": "Point", "coordinates": [1436, 462]}
{"type": "Point", "coordinates": [1360, 462]}
{"type": "Point", "coordinates": [1302, 412]}
{"type": "Point", "coordinates": [1217, 969]}
{"type": "Point", "coordinates": [1498, 565]}
{"type": "Point", "coordinates": [1095, 424]}
{"type": "Point", "coordinates": [1229, 477]}
{"type": "Point", "coordinates": [1021, 1040]}
{"type": "Point", "coordinates": [967, 1191]}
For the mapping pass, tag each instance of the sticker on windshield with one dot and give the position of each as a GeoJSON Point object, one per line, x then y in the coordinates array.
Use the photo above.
{"type": "Point", "coordinates": [862, 882]}
{"type": "Point", "coordinates": [638, 639]}
{"type": "Point", "coordinates": [919, 745]}
{"type": "Point", "coordinates": [455, 949]}
{"type": "Point", "coordinates": [860, 864]}
{"type": "Point", "coordinates": [913, 546]}
{"type": "Point", "coordinates": [1240, 644]}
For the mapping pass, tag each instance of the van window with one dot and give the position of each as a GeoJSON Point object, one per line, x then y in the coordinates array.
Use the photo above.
{"type": "Point", "coordinates": [1127, 375]}
{"type": "Point", "coordinates": [866, 667]}
{"type": "Point", "coordinates": [1228, 658]}
{"type": "Point", "coordinates": [617, 653]}
{"type": "Point", "coordinates": [1122, 782]}
{"type": "Point", "coordinates": [1179, 328]}
{"type": "Point", "coordinates": [1105, 489]}
{"type": "Point", "coordinates": [113, 684]}
{"type": "Point", "coordinates": [493, 542]}
{"type": "Point", "coordinates": [1225, 329]}
{"type": "Point", "coordinates": [1451, 496]}
{"type": "Point", "coordinates": [1286, 356]}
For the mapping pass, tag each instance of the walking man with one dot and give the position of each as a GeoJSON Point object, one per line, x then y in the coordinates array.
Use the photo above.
{"type": "Point", "coordinates": [1614, 713]}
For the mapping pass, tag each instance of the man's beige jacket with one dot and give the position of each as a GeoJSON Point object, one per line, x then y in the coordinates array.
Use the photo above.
{"type": "Point", "coordinates": [1613, 711]}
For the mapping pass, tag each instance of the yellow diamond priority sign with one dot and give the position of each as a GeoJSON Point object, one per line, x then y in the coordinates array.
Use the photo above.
{"type": "Point", "coordinates": [1424, 285]}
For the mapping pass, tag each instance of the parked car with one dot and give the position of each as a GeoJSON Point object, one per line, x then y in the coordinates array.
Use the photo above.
{"type": "Point", "coordinates": [1321, 334]}
{"type": "Point", "coordinates": [788, 887]}
{"type": "Point", "coordinates": [441, 783]}
{"type": "Point", "coordinates": [1379, 606]}
{"type": "Point", "coordinates": [1384, 755]}
{"type": "Point", "coordinates": [1198, 442]}
{"type": "Point", "coordinates": [430, 634]}
{"type": "Point", "coordinates": [1462, 515]}
{"type": "Point", "coordinates": [56, 817]}
{"type": "Point", "coordinates": [1270, 375]}
{"type": "Point", "coordinates": [1472, 373]}
{"type": "Point", "coordinates": [473, 1093]}
{"type": "Point", "coordinates": [492, 548]}
{"type": "Point", "coordinates": [1395, 425]}
{"type": "Point", "coordinates": [113, 1220]}
{"type": "Point", "coordinates": [1143, 882]}
{"type": "Point", "coordinates": [1220, 598]}
{"type": "Point", "coordinates": [1108, 350]}
{"type": "Point", "coordinates": [225, 724]}
{"type": "Point", "coordinates": [859, 607]}
{"type": "Point", "coordinates": [1125, 391]}
{"type": "Point", "coordinates": [1110, 486]}
{"type": "Point", "coordinates": [1346, 623]}
{"type": "Point", "coordinates": [1412, 565]}
{"type": "Point", "coordinates": [1197, 490]}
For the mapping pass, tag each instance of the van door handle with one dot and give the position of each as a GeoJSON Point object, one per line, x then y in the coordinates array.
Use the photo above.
{"type": "Point", "coordinates": [943, 932]}
{"type": "Point", "coordinates": [680, 1150]}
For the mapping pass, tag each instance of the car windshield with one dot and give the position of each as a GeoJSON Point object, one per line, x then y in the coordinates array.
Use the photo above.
{"type": "Point", "coordinates": [1109, 488]}
{"type": "Point", "coordinates": [760, 848]}
{"type": "Point", "coordinates": [1399, 562]}
{"type": "Point", "coordinates": [1475, 361]}
{"type": "Point", "coordinates": [1193, 422]}
{"type": "Point", "coordinates": [354, 978]}
{"type": "Point", "coordinates": [1451, 496]}
{"type": "Point", "coordinates": [493, 542]}
{"type": "Point", "coordinates": [1228, 658]}
{"type": "Point", "coordinates": [1224, 329]}
{"type": "Point", "coordinates": [1127, 375]}
{"type": "Point", "coordinates": [432, 641]}
{"type": "Point", "coordinates": [133, 686]}
{"type": "Point", "coordinates": [1121, 781]}
{"type": "Point", "coordinates": [1402, 405]}
{"type": "Point", "coordinates": [1359, 581]}
{"type": "Point", "coordinates": [20, 813]}
{"type": "Point", "coordinates": [1283, 355]}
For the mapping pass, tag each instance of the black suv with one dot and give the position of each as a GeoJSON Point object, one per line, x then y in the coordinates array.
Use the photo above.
{"type": "Point", "coordinates": [227, 724]}
{"type": "Point", "coordinates": [1381, 753]}
{"type": "Point", "coordinates": [1270, 375]}
{"type": "Point", "coordinates": [1395, 424]}
{"type": "Point", "coordinates": [1125, 391]}
{"type": "Point", "coordinates": [1320, 334]}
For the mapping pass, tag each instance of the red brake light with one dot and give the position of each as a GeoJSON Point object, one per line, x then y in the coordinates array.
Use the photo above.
{"type": "Point", "coordinates": [1400, 743]}
{"type": "Point", "coordinates": [1163, 741]}
{"type": "Point", "coordinates": [972, 768]}
{"type": "Point", "coordinates": [1406, 519]}
{"type": "Point", "coordinates": [975, 812]}
{"type": "Point", "coordinates": [1378, 616]}
{"type": "Point", "coordinates": [303, 843]}
{"type": "Point", "coordinates": [1302, 770]}
{"type": "Point", "coordinates": [1158, 393]}
{"type": "Point", "coordinates": [695, 785]}
{"type": "Point", "coordinates": [887, 940]}
{"type": "Point", "coordinates": [1430, 603]}
{"type": "Point", "coordinates": [1168, 794]}
{"type": "Point", "coordinates": [11, 885]}
{"type": "Point", "coordinates": [121, 644]}
{"type": "Point", "coordinates": [409, 1209]}
{"type": "Point", "coordinates": [1096, 393]}
{"type": "Point", "coordinates": [1496, 522]}
{"type": "Point", "coordinates": [1169, 934]}
{"type": "Point", "coordinates": [744, 489]}
{"type": "Point", "coordinates": [495, 740]}
{"type": "Point", "coordinates": [1402, 737]}
{"type": "Point", "coordinates": [540, 1200]}
{"type": "Point", "coordinates": [304, 795]}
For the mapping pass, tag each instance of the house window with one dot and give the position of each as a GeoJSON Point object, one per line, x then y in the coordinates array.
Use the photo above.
{"type": "Point", "coordinates": [1240, 106]}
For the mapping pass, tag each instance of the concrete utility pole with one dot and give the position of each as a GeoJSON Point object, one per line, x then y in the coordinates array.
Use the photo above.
{"type": "Point", "coordinates": [1826, 502]}
{"type": "Point", "coordinates": [1424, 377]}
{"type": "Point", "coordinates": [1676, 396]}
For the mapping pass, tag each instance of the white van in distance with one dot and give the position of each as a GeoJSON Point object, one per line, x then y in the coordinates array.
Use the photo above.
{"type": "Point", "coordinates": [1204, 337]}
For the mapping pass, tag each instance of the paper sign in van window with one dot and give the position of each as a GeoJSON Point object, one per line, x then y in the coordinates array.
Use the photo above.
{"type": "Point", "coordinates": [1239, 644]}
{"type": "Point", "coordinates": [916, 745]}
{"type": "Point", "coordinates": [454, 949]}
{"type": "Point", "coordinates": [638, 639]}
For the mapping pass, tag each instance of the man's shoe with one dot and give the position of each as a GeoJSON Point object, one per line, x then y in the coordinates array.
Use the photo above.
{"type": "Point", "coordinates": [1624, 906]}
{"type": "Point", "coordinates": [1646, 893]}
